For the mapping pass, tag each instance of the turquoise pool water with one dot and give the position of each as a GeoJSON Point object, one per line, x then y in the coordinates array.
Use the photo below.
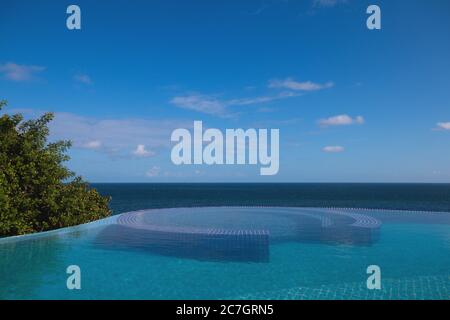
{"type": "Point", "coordinates": [236, 253]}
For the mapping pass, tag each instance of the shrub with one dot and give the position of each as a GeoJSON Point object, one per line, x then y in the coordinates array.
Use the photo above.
{"type": "Point", "coordinates": [37, 192]}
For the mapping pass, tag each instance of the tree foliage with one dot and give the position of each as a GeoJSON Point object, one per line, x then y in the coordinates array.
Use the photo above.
{"type": "Point", "coordinates": [37, 192]}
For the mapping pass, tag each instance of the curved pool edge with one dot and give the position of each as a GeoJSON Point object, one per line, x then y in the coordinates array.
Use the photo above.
{"type": "Point", "coordinates": [114, 218]}
{"type": "Point", "coordinates": [60, 231]}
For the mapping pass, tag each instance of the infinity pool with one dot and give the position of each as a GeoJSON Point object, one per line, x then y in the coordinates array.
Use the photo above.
{"type": "Point", "coordinates": [235, 253]}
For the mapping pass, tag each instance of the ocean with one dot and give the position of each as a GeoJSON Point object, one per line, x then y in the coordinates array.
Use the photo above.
{"type": "Point", "coordinates": [137, 196]}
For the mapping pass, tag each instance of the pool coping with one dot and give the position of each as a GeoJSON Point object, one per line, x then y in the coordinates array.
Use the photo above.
{"type": "Point", "coordinates": [114, 218]}
{"type": "Point", "coordinates": [59, 231]}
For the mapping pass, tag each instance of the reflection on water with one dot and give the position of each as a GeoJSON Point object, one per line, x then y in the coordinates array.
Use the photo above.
{"type": "Point", "coordinates": [301, 253]}
{"type": "Point", "coordinates": [235, 234]}
{"type": "Point", "coordinates": [215, 245]}
{"type": "Point", "coordinates": [26, 263]}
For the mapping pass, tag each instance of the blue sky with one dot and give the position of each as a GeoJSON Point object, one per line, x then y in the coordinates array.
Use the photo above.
{"type": "Point", "coordinates": [352, 105]}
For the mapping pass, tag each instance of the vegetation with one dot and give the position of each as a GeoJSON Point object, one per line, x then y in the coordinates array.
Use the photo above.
{"type": "Point", "coordinates": [37, 192]}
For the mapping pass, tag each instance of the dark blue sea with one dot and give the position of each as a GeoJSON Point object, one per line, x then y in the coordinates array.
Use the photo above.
{"type": "Point", "coordinates": [136, 196]}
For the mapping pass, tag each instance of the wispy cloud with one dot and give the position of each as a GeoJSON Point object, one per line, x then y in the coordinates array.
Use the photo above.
{"type": "Point", "coordinates": [327, 3]}
{"type": "Point", "coordinates": [201, 103]}
{"type": "Point", "coordinates": [277, 123]}
{"type": "Point", "coordinates": [210, 104]}
{"type": "Point", "coordinates": [19, 73]}
{"type": "Point", "coordinates": [333, 149]}
{"type": "Point", "coordinates": [259, 10]}
{"type": "Point", "coordinates": [291, 84]}
{"type": "Point", "coordinates": [153, 172]}
{"type": "Point", "coordinates": [94, 144]}
{"type": "Point", "coordinates": [340, 120]}
{"type": "Point", "coordinates": [114, 137]}
{"type": "Point", "coordinates": [262, 99]}
{"type": "Point", "coordinates": [83, 78]}
{"type": "Point", "coordinates": [443, 126]}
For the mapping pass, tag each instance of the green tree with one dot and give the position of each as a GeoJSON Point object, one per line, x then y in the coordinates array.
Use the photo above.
{"type": "Point", "coordinates": [37, 192]}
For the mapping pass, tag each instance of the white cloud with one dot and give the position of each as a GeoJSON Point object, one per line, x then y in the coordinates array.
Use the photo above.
{"type": "Point", "coordinates": [94, 144]}
{"type": "Point", "coordinates": [16, 72]}
{"type": "Point", "coordinates": [333, 149]}
{"type": "Point", "coordinates": [142, 152]}
{"type": "Point", "coordinates": [114, 133]}
{"type": "Point", "coordinates": [114, 137]}
{"type": "Point", "coordinates": [261, 99]}
{"type": "Point", "coordinates": [201, 103]}
{"type": "Point", "coordinates": [443, 126]}
{"type": "Point", "coordinates": [153, 172]}
{"type": "Point", "coordinates": [291, 84]}
{"type": "Point", "coordinates": [341, 120]}
{"type": "Point", "coordinates": [83, 78]}
{"type": "Point", "coordinates": [359, 120]}
{"type": "Point", "coordinates": [212, 105]}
